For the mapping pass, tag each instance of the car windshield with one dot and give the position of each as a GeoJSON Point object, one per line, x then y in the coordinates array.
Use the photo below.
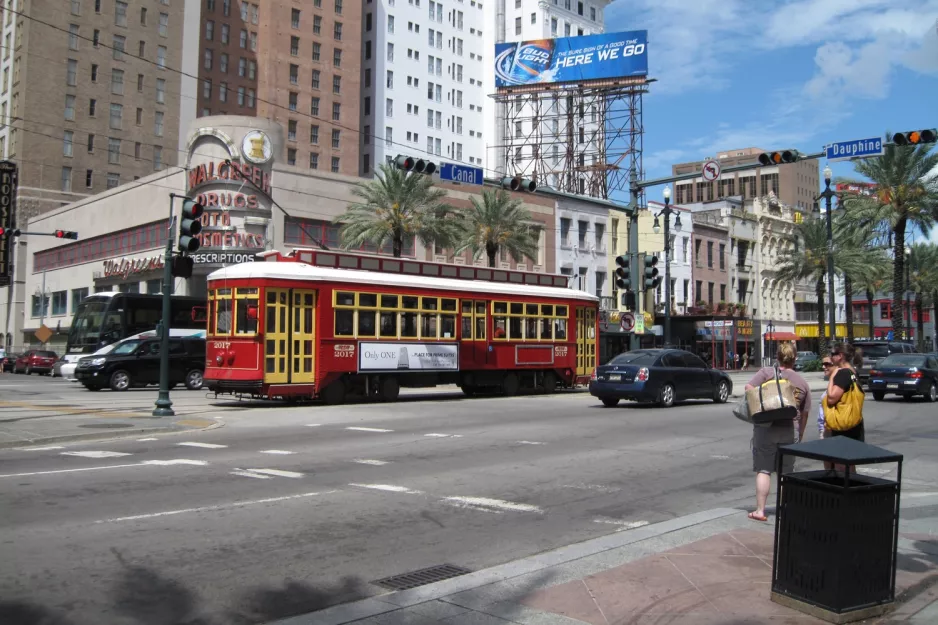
{"type": "Point", "coordinates": [127, 347]}
{"type": "Point", "coordinates": [44, 354]}
{"type": "Point", "coordinates": [904, 360]}
{"type": "Point", "coordinates": [874, 351]}
{"type": "Point", "coordinates": [634, 358]}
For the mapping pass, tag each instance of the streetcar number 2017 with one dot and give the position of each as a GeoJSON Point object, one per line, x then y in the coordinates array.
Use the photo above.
{"type": "Point", "coordinates": [221, 344]}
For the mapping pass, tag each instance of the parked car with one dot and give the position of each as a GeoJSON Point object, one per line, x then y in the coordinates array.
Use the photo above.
{"type": "Point", "coordinates": [8, 361]}
{"type": "Point", "coordinates": [136, 362]}
{"type": "Point", "coordinates": [875, 351]}
{"type": "Point", "coordinates": [907, 375]}
{"type": "Point", "coordinates": [663, 376]}
{"type": "Point", "coordinates": [803, 358]}
{"type": "Point", "coordinates": [35, 361]}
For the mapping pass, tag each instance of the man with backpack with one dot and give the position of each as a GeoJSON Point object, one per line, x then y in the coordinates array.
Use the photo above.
{"type": "Point", "coordinates": [767, 438]}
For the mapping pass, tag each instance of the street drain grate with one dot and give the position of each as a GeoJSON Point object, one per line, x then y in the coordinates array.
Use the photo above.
{"type": "Point", "coordinates": [107, 426]}
{"type": "Point", "coordinates": [405, 581]}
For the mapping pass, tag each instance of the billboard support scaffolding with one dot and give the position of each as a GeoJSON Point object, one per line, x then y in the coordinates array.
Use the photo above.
{"type": "Point", "coordinates": [580, 138]}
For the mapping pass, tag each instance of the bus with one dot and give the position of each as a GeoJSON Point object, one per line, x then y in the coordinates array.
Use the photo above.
{"type": "Point", "coordinates": [315, 324]}
{"type": "Point", "coordinates": [105, 318]}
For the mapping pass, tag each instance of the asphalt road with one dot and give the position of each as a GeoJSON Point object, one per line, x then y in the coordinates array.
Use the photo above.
{"type": "Point", "coordinates": [287, 510]}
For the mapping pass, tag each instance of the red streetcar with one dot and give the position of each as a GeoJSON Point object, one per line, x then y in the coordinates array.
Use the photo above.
{"type": "Point", "coordinates": [329, 324]}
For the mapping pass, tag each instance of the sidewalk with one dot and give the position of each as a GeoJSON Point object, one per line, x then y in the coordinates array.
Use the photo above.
{"type": "Point", "coordinates": [708, 568]}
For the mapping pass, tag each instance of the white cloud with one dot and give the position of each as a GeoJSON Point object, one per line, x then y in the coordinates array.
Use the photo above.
{"type": "Point", "coordinates": [664, 158]}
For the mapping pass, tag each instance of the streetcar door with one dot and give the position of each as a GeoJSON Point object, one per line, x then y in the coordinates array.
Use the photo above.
{"type": "Point", "coordinates": [472, 332]}
{"type": "Point", "coordinates": [585, 340]}
{"type": "Point", "coordinates": [276, 336]}
{"type": "Point", "coordinates": [303, 337]}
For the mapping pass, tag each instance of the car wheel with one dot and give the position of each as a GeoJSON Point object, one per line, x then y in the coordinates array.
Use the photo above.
{"type": "Point", "coordinates": [932, 393]}
{"type": "Point", "coordinates": [879, 395]}
{"type": "Point", "coordinates": [666, 396]}
{"type": "Point", "coordinates": [721, 393]}
{"type": "Point", "coordinates": [609, 402]}
{"type": "Point", "coordinates": [120, 381]}
{"type": "Point", "coordinates": [194, 380]}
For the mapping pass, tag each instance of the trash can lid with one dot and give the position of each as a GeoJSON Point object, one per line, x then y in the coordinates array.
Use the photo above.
{"type": "Point", "coordinates": [843, 450]}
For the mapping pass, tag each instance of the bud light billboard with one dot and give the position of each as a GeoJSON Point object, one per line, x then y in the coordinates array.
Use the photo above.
{"type": "Point", "coordinates": [572, 59]}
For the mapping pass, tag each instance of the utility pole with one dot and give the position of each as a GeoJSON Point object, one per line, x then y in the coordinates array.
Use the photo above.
{"type": "Point", "coordinates": [164, 407]}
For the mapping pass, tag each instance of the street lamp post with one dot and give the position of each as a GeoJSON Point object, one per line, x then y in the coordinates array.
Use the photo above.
{"type": "Point", "coordinates": [828, 194]}
{"type": "Point", "coordinates": [666, 213]}
{"type": "Point", "coordinates": [770, 332]}
{"type": "Point", "coordinates": [908, 294]}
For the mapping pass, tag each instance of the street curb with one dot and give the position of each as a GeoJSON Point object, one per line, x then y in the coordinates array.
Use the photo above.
{"type": "Point", "coordinates": [393, 601]}
{"type": "Point", "coordinates": [111, 436]}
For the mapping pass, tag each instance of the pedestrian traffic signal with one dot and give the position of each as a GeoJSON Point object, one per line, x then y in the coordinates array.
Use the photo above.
{"type": "Point", "coordinates": [182, 266]}
{"type": "Point", "coordinates": [66, 234]}
{"type": "Point", "coordinates": [517, 183]}
{"type": "Point", "coordinates": [628, 300]}
{"type": "Point", "coordinates": [624, 273]}
{"type": "Point", "coordinates": [915, 137]}
{"type": "Point", "coordinates": [190, 226]}
{"type": "Point", "coordinates": [651, 280]}
{"type": "Point", "coordinates": [416, 165]}
{"type": "Point", "coordinates": [779, 158]}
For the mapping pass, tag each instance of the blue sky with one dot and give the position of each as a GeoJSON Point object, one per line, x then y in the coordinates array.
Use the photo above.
{"type": "Point", "coordinates": [781, 74]}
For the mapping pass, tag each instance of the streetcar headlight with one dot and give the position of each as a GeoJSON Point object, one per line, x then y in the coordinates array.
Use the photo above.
{"type": "Point", "coordinates": [219, 359]}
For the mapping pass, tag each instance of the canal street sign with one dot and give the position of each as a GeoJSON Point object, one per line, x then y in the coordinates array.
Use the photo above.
{"type": "Point", "coordinates": [858, 148]}
{"type": "Point", "coordinates": [461, 174]}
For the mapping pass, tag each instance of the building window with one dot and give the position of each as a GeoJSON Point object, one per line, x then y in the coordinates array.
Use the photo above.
{"type": "Point", "coordinates": [335, 164]}
{"type": "Point", "coordinates": [207, 89]}
{"type": "Point", "coordinates": [90, 144]}
{"type": "Point", "coordinates": [207, 63]}
{"type": "Point", "coordinates": [117, 82]}
{"type": "Point", "coordinates": [316, 76]}
{"type": "Point", "coordinates": [317, 25]}
{"type": "Point", "coordinates": [138, 150]}
{"type": "Point", "coordinates": [291, 130]}
{"type": "Point", "coordinates": [223, 92]}
{"type": "Point", "coordinates": [338, 7]}
{"type": "Point", "coordinates": [120, 14]}
{"type": "Point", "coordinates": [291, 156]}
{"type": "Point", "coordinates": [391, 52]}
{"type": "Point", "coordinates": [313, 160]}
{"type": "Point", "coordinates": [336, 111]}
{"type": "Point", "coordinates": [295, 74]}
{"type": "Point", "coordinates": [389, 107]}
{"type": "Point", "coordinates": [336, 85]}
{"type": "Point", "coordinates": [71, 73]}
{"type": "Point", "coordinates": [113, 151]}
{"type": "Point", "coordinates": [335, 138]}
{"type": "Point", "coordinates": [67, 139]}
{"type": "Point", "coordinates": [66, 179]}
{"type": "Point", "coordinates": [118, 48]}
{"type": "Point", "coordinates": [250, 98]}
{"type": "Point", "coordinates": [317, 51]}
{"type": "Point", "coordinates": [160, 91]}
{"type": "Point", "coordinates": [139, 118]}
{"type": "Point", "coordinates": [158, 124]}
{"type": "Point", "coordinates": [337, 31]}
{"type": "Point", "coordinates": [295, 18]}
{"type": "Point", "coordinates": [113, 180]}
{"type": "Point", "coordinates": [72, 40]}
{"type": "Point", "coordinates": [294, 46]}
{"type": "Point", "coordinates": [293, 100]}
{"type": "Point", "coordinates": [209, 30]}
{"type": "Point", "coordinates": [337, 57]}
{"type": "Point", "coordinates": [117, 114]}
{"type": "Point", "coordinates": [70, 107]}
{"type": "Point", "coordinates": [314, 134]}
{"type": "Point", "coordinates": [314, 106]}
{"type": "Point", "coordinates": [40, 305]}
{"type": "Point", "coordinates": [517, 25]}
{"type": "Point", "coordinates": [164, 25]}
{"type": "Point", "coordinates": [157, 158]}
{"type": "Point", "coordinates": [77, 296]}
{"type": "Point", "coordinates": [534, 18]}
{"type": "Point", "coordinates": [225, 32]}
{"type": "Point", "coordinates": [240, 96]}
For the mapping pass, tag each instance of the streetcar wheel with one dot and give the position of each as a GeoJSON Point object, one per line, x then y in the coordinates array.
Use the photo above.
{"type": "Point", "coordinates": [469, 390]}
{"type": "Point", "coordinates": [334, 394]}
{"type": "Point", "coordinates": [549, 384]}
{"type": "Point", "coordinates": [390, 389]}
{"type": "Point", "coordinates": [510, 384]}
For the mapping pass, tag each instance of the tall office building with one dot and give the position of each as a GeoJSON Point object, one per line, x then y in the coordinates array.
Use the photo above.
{"type": "Point", "coordinates": [795, 184]}
{"type": "Point", "coordinates": [562, 138]}
{"type": "Point", "coordinates": [80, 113]}
{"type": "Point", "coordinates": [422, 73]}
{"type": "Point", "coordinates": [296, 64]}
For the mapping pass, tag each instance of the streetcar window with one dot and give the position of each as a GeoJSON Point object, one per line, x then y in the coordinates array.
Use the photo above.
{"type": "Point", "coordinates": [467, 328]}
{"type": "Point", "coordinates": [500, 308]}
{"type": "Point", "coordinates": [246, 323]}
{"type": "Point", "coordinates": [561, 311]}
{"type": "Point", "coordinates": [247, 291]}
{"type": "Point", "coordinates": [429, 303]}
{"type": "Point", "coordinates": [367, 300]}
{"type": "Point", "coordinates": [448, 326]}
{"type": "Point", "coordinates": [473, 319]}
{"type": "Point", "coordinates": [466, 307]}
{"type": "Point", "coordinates": [222, 315]}
{"type": "Point", "coordinates": [409, 302]}
{"type": "Point", "coordinates": [500, 324]}
{"type": "Point", "coordinates": [547, 310]}
{"type": "Point", "coordinates": [530, 309]}
{"type": "Point", "coordinates": [560, 329]}
{"type": "Point", "coordinates": [480, 328]}
{"type": "Point", "coordinates": [344, 299]}
{"type": "Point", "coordinates": [480, 308]}
{"type": "Point", "coordinates": [366, 323]}
{"type": "Point", "coordinates": [389, 301]}
{"type": "Point", "coordinates": [514, 328]}
{"type": "Point", "coordinates": [517, 309]}
{"type": "Point", "coordinates": [448, 305]}
{"type": "Point", "coordinates": [428, 327]}
{"type": "Point", "coordinates": [345, 323]}
{"type": "Point", "coordinates": [388, 324]}
{"type": "Point", "coordinates": [409, 325]}
{"type": "Point", "coordinates": [530, 327]}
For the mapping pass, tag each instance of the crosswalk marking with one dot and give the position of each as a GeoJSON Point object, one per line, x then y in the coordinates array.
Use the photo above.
{"type": "Point", "coordinates": [278, 452]}
{"type": "Point", "coordinates": [497, 504]}
{"type": "Point", "coordinates": [251, 474]}
{"type": "Point", "coordinates": [277, 472]}
{"type": "Point", "coordinates": [144, 440]}
{"type": "Point", "coordinates": [95, 454]}
{"type": "Point", "coordinates": [376, 463]}
{"type": "Point", "coordinates": [359, 429]}
{"type": "Point", "coordinates": [169, 463]}
{"type": "Point", "coordinates": [438, 435]}
{"type": "Point", "coordinates": [203, 445]}
{"type": "Point", "coordinates": [530, 443]}
{"type": "Point", "coordinates": [388, 488]}
{"type": "Point", "coordinates": [39, 448]}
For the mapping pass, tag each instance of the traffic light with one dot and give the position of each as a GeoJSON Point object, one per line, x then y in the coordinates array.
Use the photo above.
{"type": "Point", "coordinates": [628, 300]}
{"type": "Point", "coordinates": [190, 225]}
{"type": "Point", "coordinates": [915, 137]}
{"type": "Point", "coordinates": [517, 183]}
{"type": "Point", "coordinates": [651, 280]}
{"type": "Point", "coordinates": [416, 165]}
{"type": "Point", "coordinates": [66, 234]}
{"type": "Point", "coordinates": [624, 273]}
{"type": "Point", "coordinates": [779, 158]}
{"type": "Point", "coordinates": [182, 266]}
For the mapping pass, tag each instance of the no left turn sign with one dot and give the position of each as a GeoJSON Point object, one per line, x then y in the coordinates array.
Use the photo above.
{"type": "Point", "coordinates": [627, 323]}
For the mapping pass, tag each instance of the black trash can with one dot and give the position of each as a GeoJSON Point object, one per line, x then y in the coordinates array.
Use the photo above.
{"type": "Point", "coordinates": [836, 532]}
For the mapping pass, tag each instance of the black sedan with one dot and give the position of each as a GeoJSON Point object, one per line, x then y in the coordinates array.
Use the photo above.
{"type": "Point", "coordinates": [663, 376]}
{"type": "Point", "coordinates": [907, 375]}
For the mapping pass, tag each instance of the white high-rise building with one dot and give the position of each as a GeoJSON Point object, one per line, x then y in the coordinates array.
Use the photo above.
{"type": "Point", "coordinates": [525, 20]}
{"type": "Point", "coordinates": [422, 72]}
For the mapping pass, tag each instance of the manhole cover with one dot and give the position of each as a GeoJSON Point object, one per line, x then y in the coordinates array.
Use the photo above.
{"type": "Point", "coordinates": [421, 577]}
{"type": "Point", "coordinates": [107, 426]}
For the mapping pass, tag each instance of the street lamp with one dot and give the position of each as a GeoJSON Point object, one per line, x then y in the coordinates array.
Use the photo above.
{"type": "Point", "coordinates": [908, 295]}
{"type": "Point", "coordinates": [770, 333]}
{"type": "Point", "coordinates": [666, 212]}
{"type": "Point", "coordinates": [828, 194]}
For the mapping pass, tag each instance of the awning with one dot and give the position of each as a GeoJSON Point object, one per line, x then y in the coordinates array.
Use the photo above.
{"type": "Point", "coordinates": [781, 336]}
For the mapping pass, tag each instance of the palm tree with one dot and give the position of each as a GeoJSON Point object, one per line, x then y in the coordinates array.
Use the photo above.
{"type": "Point", "coordinates": [395, 206]}
{"type": "Point", "coordinates": [499, 222]}
{"type": "Point", "coordinates": [872, 280]}
{"type": "Point", "coordinates": [906, 195]}
{"type": "Point", "coordinates": [808, 261]}
{"type": "Point", "coordinates": [924, 282]}
{"type": "Point", "coordinates": [857, 242]}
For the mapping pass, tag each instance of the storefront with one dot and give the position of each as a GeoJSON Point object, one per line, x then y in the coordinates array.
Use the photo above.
{"type": "Point", "coordinates": [808, 334]}
{"type": "Point", "coordinates": [726, 343]}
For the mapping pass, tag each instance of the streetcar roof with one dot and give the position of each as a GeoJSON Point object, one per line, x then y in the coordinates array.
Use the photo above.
{"type": "Point", "coordinates": [304, 271]}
